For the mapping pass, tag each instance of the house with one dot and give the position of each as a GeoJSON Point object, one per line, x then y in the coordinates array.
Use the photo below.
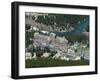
{"type": "Point", "coordinates": [34, 56]}
{"type": "Point", "coordinates": [46, 54]}
{"type": "Point", "coordinates": [44, 32]}
{"type": "Point", "coordinates": [28, 55]}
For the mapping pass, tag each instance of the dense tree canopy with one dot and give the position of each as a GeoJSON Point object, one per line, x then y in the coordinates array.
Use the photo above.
{"type": "Point", "coordinates": [60, 19]}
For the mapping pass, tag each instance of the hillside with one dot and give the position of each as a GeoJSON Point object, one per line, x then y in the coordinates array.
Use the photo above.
{"type": "Point", "coordinates": [54, 22]}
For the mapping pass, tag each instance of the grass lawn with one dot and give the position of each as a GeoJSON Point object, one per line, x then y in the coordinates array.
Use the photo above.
{"type": "Point", "coordinates": [48, 62]}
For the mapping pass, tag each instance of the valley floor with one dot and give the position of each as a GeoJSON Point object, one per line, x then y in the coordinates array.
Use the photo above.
{"type": "Point", "coordinates": [49, 62]}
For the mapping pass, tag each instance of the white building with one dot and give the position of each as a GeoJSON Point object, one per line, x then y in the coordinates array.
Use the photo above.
{"type": "Point", "coordinates": [28, 55]}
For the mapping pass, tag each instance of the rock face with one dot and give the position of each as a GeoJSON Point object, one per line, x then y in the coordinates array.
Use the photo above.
{"type": "Point", "coordinates": [52, 42]}
{"type": "Point", "coordinates": [58, 44]}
